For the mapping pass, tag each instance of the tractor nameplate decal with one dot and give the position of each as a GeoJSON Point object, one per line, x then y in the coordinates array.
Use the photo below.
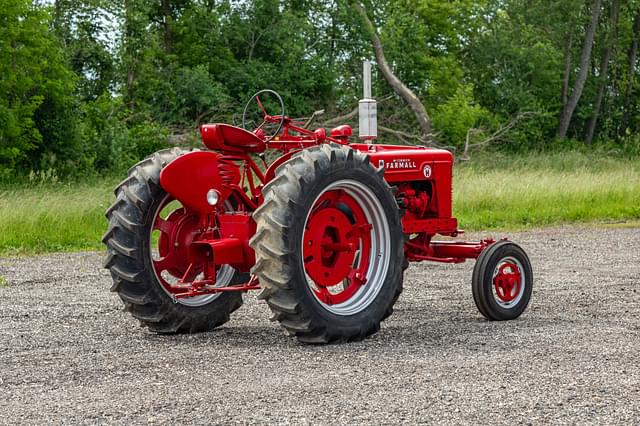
{"type": "Point", "coordinates": [403, 163]}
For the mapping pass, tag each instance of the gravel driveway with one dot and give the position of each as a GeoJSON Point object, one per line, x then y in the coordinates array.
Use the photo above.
{"type": "Point", "coordinates": [69, 354]}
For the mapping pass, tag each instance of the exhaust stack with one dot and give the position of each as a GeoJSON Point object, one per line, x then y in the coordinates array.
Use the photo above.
{"type": "Point", "coordinates": [367, 108]}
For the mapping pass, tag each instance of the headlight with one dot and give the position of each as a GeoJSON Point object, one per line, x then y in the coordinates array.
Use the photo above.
{"type": "Point", "coordinates": [212, 197]}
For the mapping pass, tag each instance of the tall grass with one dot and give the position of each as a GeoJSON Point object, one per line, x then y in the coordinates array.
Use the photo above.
{"type": "Point", "coordinates": [539, 190]}
{"type": "Point", "coordinates": [53, 217]}
{"type": "Point", "coordinates": [490, 192]}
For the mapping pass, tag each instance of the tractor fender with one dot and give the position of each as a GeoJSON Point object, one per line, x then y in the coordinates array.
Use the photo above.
{"type": "Point", "coordinates": [271, 171]}
{"type": "Point", "coordinates": [191, 176]}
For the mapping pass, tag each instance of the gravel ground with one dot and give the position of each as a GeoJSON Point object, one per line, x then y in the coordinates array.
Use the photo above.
{"type": "Point", "coordinates": [68, 354]}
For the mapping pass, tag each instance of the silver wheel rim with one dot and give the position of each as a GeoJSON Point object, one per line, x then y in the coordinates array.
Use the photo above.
{"type": "Point", "coordinates": [223, 276]}
{"type": "Point", "coordinates": [523, 283]}
{"type": "Point", "coordinates": [379, 258]}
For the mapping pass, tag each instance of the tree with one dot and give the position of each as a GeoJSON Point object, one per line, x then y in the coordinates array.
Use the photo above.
{"type": "Point", "coordinates": [515, 60]}
{"type": "Point", "coordinates": [631, 78]}
{"type": "Point", "coordinates": [83, 27]}
{"type": "Point", "coordinates": [583, 71]}
{"type": "Point", "coordinates": [98, 83]}
{"type": "Point", "coordinates": [38, 119]}
{"type": "Point", "coordinates": [398, 86]}
{"type": "Point", "coordinates": [604, 69]}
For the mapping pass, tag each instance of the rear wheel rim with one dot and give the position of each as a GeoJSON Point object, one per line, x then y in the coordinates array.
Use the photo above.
{"type": "Point", "coordinates": [508, 282]}
{"type": "Point", "coordinates": [168, 254]}
{"type": "Point", "coordinates": [346, 247]}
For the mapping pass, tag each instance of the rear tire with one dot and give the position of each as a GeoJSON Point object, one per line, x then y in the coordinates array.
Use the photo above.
{"type": "Point", "coordinates": [341, 185]}
{"type": "Point", "coordinates": [129, 257]}
{"type": "Point", "coordinates": [502, 281]}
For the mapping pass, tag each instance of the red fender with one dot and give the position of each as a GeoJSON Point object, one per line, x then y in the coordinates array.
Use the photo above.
{"type": "Point", "coordinates": [189, 177]}
{"type": "Point", "coordinates": [271, 171]}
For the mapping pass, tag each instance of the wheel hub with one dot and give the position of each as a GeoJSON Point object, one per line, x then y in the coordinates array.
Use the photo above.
{"type": "Point", "coordinates": [176, 234]}
{"type": "Point", "coordinates": [174, 265]}
{"type": "Point", "coordinates": [329, 249]}
{"type": "Point", "coordinates": [507, 282]}
{"type": "Point", "coordinates": [336, 247]}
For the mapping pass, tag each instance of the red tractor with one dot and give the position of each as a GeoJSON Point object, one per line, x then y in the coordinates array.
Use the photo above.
{"type": "Point", "coordinates": [325, 230]}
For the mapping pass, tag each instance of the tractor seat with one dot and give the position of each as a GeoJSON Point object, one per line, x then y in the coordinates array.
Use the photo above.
{"type": "Point", "coordinates": [224, 137]}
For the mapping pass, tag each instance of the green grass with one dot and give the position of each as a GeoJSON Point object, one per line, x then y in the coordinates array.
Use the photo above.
{"type": "Point", "coordinates": [504, 199]}
{"type": "Point", "coordinates": [491, 192]}
{"type": "Point", "coordinates": [54, 217]}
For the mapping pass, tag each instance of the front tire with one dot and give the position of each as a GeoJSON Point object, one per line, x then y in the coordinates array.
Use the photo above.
{"type": "Point", "coordinates": [133, 261]}
{"type": "Point", "coordinates": [502, 281]}
{"type": "Point", "coordinates": [329, 246]}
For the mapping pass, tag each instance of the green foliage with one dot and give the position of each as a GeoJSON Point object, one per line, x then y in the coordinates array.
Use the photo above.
{"type": "Point", "coordinates": [116, 138]}
{"type": "Point", "coordinates": [82, 27]}
{"type": "Point", "coordinates": [457, 115]}
{"type": "Point", "coordinates": [38, 122]}
{"type": "Point", "coordinates": [185, 97]}
{"type": "Point", "coordinates": [91, 86]}
{"type": "Point", "coordinates": [518, 67]}
{"type": "Point", "coordinates": [145, 138]}
{"type": "Point", "coordinates": [426, 39]}
{"type": "Point", "coordinates": [628, 146]}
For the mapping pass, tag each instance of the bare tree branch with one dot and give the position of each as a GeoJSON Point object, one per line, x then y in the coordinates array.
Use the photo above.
{"type": "Point", "coordinates": [341, 118]}
{"type": "Point", "coordinates": [418, 139]}
{"type": "Point", "coordinates": [398, 86]}
{"type": "Point", "coordinates": [497, 135]}
{"type": "Point", "coordinates": [350, 115]}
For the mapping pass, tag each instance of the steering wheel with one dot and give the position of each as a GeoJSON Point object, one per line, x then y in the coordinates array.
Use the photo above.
{"type": "Point", "coordinates": [255, 112]}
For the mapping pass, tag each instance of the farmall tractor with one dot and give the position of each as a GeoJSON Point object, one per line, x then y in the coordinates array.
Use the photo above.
{"type": "Point", "coordinates": [325, 230]}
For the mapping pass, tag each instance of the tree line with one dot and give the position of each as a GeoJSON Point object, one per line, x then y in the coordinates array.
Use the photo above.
{"type": "Point", "coordinates": [93, 85]}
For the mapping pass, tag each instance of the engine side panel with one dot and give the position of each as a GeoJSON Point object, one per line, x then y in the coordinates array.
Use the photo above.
{"type": "Point", "coordinates": [406, 164]}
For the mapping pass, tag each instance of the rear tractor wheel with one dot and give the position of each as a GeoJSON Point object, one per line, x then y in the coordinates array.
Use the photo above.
{"type": "Point", "coordinates": [147, 240]}
{"type": "Point", "coordinates": [329, 246]}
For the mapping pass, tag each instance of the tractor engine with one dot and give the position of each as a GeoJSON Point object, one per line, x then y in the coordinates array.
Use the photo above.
{"type": "Point", "coordinates": [423, 178]}
{"type": "Point", "coordinates": [415, 202]}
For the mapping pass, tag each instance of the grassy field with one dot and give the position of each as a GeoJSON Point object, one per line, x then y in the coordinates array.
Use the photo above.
{"type": "Point", "coordinates": [491, 192]}
{"type": "Point", "coordinates": [54, 217]}
{"type": "Point", "coordinates": [534, 191]}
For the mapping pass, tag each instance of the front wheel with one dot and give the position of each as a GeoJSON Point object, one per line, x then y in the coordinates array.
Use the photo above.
{"type": "Point", "coordinates": [329, 246]}
{"type": "Point", "coordinates": [502, 281]}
